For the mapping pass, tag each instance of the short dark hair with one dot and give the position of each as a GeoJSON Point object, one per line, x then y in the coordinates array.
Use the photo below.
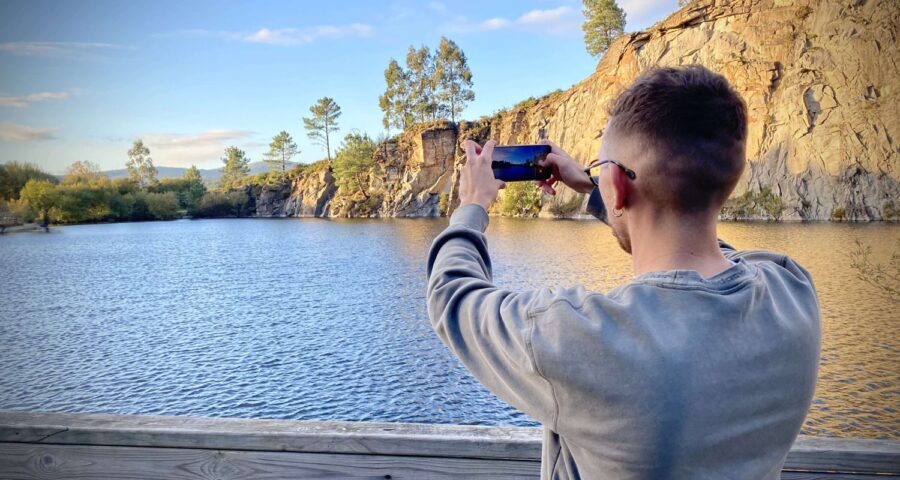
{"type": "Point", "coordinates": [695, 126]}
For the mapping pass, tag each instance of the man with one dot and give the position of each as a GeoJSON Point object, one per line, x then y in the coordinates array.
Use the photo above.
{"type": "Point", "coordinates": [703, 366]}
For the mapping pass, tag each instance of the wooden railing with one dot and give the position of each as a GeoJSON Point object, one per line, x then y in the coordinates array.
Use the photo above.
{"type": "Point", "coordinates": [75, 445]}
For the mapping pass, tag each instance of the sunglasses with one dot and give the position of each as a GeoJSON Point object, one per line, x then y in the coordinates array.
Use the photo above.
{"type": "Point", "coordinates": [595, 204]}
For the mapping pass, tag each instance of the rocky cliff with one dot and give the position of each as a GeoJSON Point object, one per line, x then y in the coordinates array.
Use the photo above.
{"type": "Point", "coordinates": [820, 78]}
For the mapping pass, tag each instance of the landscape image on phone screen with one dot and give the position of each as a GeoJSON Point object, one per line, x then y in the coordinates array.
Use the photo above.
{"type": "Point", "coordinates": [519, 163]}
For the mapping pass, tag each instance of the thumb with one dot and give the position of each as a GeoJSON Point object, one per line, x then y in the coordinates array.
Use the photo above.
{"type": "Point", "coordinates": [546, 141]}
{"type": "Point", "coordinates": [550, 159]}
{"type": "Point", "coordinates": [501, 184]}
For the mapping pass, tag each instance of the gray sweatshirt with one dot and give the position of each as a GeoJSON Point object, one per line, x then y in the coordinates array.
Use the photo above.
{"type": "Point", "coordinates": [670, 376]}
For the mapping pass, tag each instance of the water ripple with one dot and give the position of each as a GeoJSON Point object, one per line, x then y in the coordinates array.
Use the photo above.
{"type": "Point", "coordinates": [315, 319]}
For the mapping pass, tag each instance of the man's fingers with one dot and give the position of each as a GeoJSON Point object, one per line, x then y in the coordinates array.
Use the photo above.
{"type": "Point", "coordinates": [471, 152]}
{"type": "Point", "coordinates": [553, 159]}
{"type": "Point", "coordinates": [501, 184]}
{"type": "Point", "coordinates": [487, 150]}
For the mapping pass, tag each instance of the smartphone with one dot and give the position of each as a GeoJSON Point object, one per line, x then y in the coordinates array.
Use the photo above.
{"type": "Point", "coordinates": [519, 163]}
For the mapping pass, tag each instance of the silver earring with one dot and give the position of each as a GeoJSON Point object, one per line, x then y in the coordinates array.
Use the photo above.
{"type": "Point", "coordinates": [618, 214]}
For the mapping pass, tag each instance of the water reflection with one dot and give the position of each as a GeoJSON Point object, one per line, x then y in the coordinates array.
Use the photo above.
{"type": "Point", "coordinates": [325, 319]}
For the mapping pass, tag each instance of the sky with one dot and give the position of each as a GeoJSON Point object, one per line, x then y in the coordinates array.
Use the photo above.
{"type": "Point", "coordinates": [82, 80]}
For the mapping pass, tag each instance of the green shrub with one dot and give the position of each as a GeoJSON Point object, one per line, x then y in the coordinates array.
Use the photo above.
{"type": "Point", "coordinates": [568, 208]}
{"type": "Point", "coordinates": [14, 176]}
{"type": "Point", "coordinates": [752, 204]}
{"type": "Point", "coordinates": [163, 206]}
{"type": "Point", "coordinates": [838, 214]}
{"type": "Point", "coordinates": [443, 204]}
{"type": "Point", "coordinates": [521, 199]}
{"type": "Point", "coordinates": [223, 204]}
{"type": "Point", "coordinates": [889, 211]}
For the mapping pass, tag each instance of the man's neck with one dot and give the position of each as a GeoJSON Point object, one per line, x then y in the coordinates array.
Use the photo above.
{"type": "Point", "coordinates": [661, 244]}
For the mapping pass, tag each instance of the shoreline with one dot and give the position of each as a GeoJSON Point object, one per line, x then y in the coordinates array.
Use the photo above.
{"type": "Point", "coordinates": [35, 228]}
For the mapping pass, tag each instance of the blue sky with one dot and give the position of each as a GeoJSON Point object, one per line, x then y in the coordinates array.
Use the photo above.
{"type": "Point", "coordinates": [82, 80]}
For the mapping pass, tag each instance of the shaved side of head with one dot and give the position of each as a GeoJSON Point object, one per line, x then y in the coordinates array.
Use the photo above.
{"type": "Point", "coordinates": [690, 129]}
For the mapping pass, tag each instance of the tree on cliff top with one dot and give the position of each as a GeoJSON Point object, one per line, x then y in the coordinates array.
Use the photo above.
{"type": "Point", "coordinates": [353, 161]}
{"type": "Point", "coordinates": [453, 78]}
{"type": "Point", "coordinates": [431, 87]}
{"type": "Point", "coordinates": [140, 165]}
{"type": "Point", "coordinates": [323, 122]}
{"type": "Point", "coordinates": [421, 83]}
{"type": "Point", "coordinates": [604, 21]}
{"type": "Point", "coordinates": [394, 102]}
{"type": "Point", "coordinates": [236, 166]}
{"type": "Point", "coordinates": [281, 151]}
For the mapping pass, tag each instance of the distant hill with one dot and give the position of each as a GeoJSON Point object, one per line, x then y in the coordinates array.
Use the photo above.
{"type": "Point", "coordinates": [208, 174]}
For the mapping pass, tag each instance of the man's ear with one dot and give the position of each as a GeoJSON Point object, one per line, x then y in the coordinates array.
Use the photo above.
{"type": "Point", "coordinates": [620, 187]}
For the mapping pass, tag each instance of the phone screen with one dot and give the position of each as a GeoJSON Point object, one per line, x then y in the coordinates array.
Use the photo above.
{"type": "Point", "coordinates": [519, 163]}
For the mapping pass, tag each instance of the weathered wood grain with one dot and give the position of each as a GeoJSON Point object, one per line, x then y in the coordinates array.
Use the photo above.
{"type": "Point", "coordinates": [33, 461]}
{"type": "Point", "coordinates": [850, 455]}
{"type": "Point", "coordinates": [272, 435]}
{"type": "Point", "coordinates": [343, 449]}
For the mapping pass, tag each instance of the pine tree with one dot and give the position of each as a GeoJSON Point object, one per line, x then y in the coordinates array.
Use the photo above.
{"type": "Point", "coordinates": [281, 151]}
{"type": "Point", "coordinates": [353, 161]}
{"type": "Point", "coordinates": [323, 122]}
{"type": "Point", "coordinates": [191, 195]}
{"type": "Point", "coordinates": [140, 165]}
{"type": "Point", "coordinates": [236, 166]}
{"type": "Point", "coordinates": [604, 21]}
{"type": "Point", "coordinates": [453, 79]}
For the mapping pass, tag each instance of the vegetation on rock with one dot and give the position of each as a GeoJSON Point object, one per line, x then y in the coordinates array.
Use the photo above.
{"type": "Point", "coordinates": [520, 199]}
{"type": "Point", "coordinates": [431, 87]}
{"type": "Point", "coordinates": [235, 167]}
{"type": "Point", "coordinates": [281, 150]}
{"type": "Point", "coordinates": [763, 204]}
{"type": "Point", "coordinates": [319, 127]}
{"type": "Point", "coordinates": [568, 208]}
{"type": "Point", "coordinates": [604, 21]}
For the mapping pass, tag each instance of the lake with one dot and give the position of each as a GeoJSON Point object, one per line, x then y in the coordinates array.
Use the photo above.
{"type": "Point", "coordinates": [325, 319]}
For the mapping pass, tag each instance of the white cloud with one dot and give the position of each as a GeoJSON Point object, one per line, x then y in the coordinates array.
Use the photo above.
{"type": "Point", "coordinates": [493, 24]}
{"type": "Point", "coordinates": [438, 7]}
{"type": "Point", "coordinates": [13, 132]}
{"type": "Point", "coordinates": [546, 16]}
{"type": "Point", "coordinates": [24, 101]}
{"type": "Point", "coordinates": [285, 37]}
{"type": "Point", "coordinates": [183, 150]}
{"type": "Point", "coordinates": [291, 37]}
{"type": "Point", "coordinates": [560, 20]}
{"type": "Point", "coordinates": [71, 50]}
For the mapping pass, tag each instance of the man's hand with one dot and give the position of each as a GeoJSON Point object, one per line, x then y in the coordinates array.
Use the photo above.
{"type": "Point", "coordinates": [563, 168]}
{"type": "Point", "coordinates": [476, 181]}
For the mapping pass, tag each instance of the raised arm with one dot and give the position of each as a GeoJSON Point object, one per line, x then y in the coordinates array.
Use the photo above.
{"type": "Point", "coordinates": [487, 328]}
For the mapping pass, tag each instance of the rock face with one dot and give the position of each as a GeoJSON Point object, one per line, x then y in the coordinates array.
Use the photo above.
{"type": "Point", "coordinates": [307, 195]}
{"type": "Point", "coordinates": [417, 169]}
{"type": "Point", "coordinates": [820, 79]}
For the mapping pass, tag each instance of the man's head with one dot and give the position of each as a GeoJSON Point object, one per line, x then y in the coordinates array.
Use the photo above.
{"type": "Point", "coordinates": [683, 131]}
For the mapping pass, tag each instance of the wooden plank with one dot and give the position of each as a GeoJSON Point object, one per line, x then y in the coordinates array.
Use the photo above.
{"type": "Point", "coordinates": [50, 462]}
{"type": "Point", "coordinates": [809, 455]}
{"type": "Point", "coordinates": [850, 455]}
{"type": "Point", "coordinates": [462, 441]}
{"type": "Point", "coordinates": [830, 476]}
